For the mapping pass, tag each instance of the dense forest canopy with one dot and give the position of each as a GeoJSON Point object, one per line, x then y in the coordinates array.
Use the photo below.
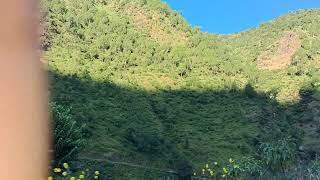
{"type": "Point", "coordinates": [153, 90]}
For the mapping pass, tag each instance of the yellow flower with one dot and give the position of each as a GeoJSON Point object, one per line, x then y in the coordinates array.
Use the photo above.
{"type": "Point", "coordinates": [97, 173]}
{"type": "Point", "coordinates": [216, 163]}
{"type": "Point", "coordinates": [50, 178]}
{"type": "Point", "coordinates": [224, 175]}
{"type": "Point", "coordinates": [96, 177]}
{"type": "Point", "coordinates": [65, 165]}
{"type": "Point", "coordinates": [64, 174]}
{"type": "Point", "coordinates": [72, 178]}
{"type": "Point", "coordinates": [231, 160]}
{"type": "Point", "coordinates": [56, 170]}
{"type": "Point", "coordinates": [211, 173]}
{"type": "Point", "coordinates": [81, 176]}
{"type": "Point", "coordinates": [207, 166]}
{"type": "Point", "coordinates": [225, 171]}
{"type": "Point", "coordinates": [82, 172]}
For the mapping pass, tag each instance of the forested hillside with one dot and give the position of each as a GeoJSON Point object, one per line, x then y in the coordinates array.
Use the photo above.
{"type": "Point", "coordinates": [154, 91]}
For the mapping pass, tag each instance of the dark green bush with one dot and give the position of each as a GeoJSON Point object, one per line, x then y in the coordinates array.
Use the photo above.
{"type": "Point", "coordinates": [145, 141]}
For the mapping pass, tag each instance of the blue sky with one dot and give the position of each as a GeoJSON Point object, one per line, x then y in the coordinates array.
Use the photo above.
{"type": "Point", "coordinates": [230, 16]}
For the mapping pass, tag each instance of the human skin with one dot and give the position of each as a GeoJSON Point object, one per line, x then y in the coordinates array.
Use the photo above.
{"type": "Point", "coordinates": [23, 94]}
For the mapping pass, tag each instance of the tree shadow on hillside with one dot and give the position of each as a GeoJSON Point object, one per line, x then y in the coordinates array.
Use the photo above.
{"type": "Point", "coordinates": [164, 127]}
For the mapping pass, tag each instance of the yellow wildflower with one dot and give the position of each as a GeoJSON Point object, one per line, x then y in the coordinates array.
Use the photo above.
{"type": "Point", "coordinates": [81, 176]}
{"type": "Point", "coordinates": [50, 178]}
{"type": "Point", "coordinates": [207, 166]}
{"type": "Point", "coordinates": [96, 177]}
{"type": "Point", "coordinates": [225, 171]}
{"type": "Point", "coordinates": [231, 160]}
{"type": "Point", "coordinates": [211, 173]}
{"type": "Point", "coordinates": [56, 170]}
{"type": "Point", "coordinates": [64, 174]}
{"type": "Point", "coordinates": [65, 165]}
{"type": "Point", "coordinates": [72, 178]}
{"type": "Point", "coordinates": [97, 173]}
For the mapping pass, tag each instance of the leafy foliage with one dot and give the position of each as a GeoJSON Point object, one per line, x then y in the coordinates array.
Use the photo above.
{"type": "Point", "coordinates": [68, 139]}
{"type": "Point", "coordinates": [145, 142]}
{"type": "Point", "coordinates": [279, 155]}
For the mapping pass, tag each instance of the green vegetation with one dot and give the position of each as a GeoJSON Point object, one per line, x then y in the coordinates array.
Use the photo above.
{"type": "Point", "coordinates": [154, 91]}
{"type": "Point", "coordinates": [68, 135]}
{"type": "Point", "coordinates": [65, 173]}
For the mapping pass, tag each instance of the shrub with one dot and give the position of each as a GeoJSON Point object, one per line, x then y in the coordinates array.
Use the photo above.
{"type": "Point", "coordinates": [67, 134]}
{"type": "Point", "coordinates": [144, 141]}
{"type": "Point", "coordinates": [279, 155]}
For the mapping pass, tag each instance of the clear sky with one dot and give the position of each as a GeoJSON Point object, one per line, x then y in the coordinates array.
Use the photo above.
{"type": "Point", "coordinates": [229, 16]}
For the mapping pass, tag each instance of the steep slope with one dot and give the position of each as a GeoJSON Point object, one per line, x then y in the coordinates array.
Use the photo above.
{"type": "Point", "coordinates": [153, 90]}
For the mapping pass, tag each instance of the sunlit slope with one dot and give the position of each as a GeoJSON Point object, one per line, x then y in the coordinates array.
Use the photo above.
{"type": "Point", "coordinates": [153, 89]}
